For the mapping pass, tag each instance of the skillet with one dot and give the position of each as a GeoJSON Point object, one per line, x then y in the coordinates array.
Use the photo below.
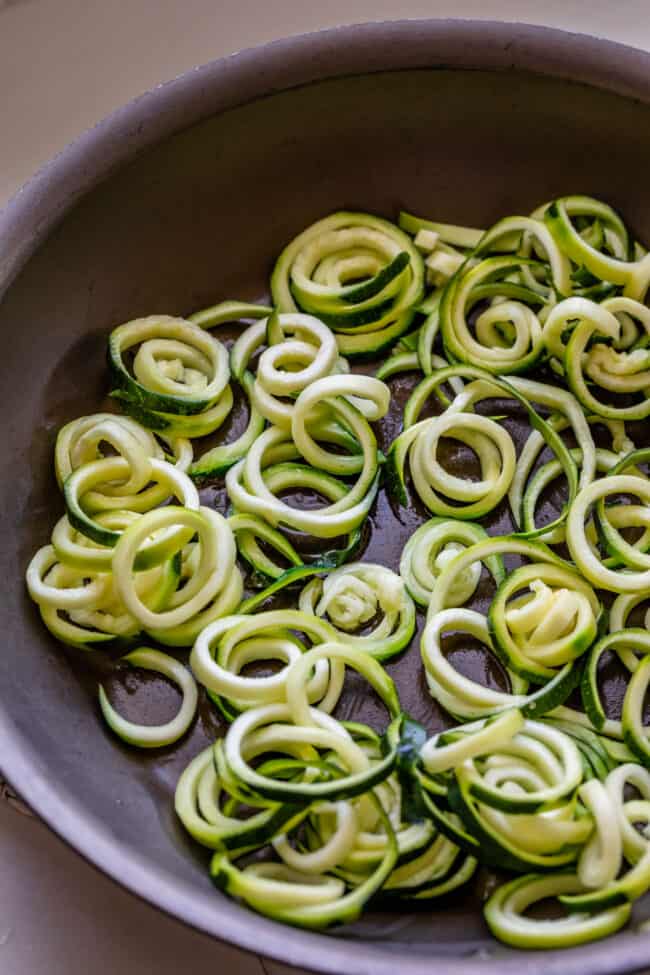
{"type": "Point", "coordinates": [186, 196]}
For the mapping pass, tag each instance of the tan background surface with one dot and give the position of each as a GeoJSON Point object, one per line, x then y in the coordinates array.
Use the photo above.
{"type": "Point", "coordinates": [64, 64]}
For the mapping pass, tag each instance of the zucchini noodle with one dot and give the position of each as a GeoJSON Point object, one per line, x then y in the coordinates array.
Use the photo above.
{"type": "Point", "coordinates": [154, 736]}
{"type": "Point", "coordinates": [227, 645]}
{"type": "Point", "coordinates": [171, 481]}
{"type": "Point", "coordinates": [303, 899]}
{"type": "Point", "coordinates": [467, 699]}
{"type": "Point", "coordinates": [541, 761]}
{"type": "Point", "coordinates": [420, 438]}
{"type": "Point", "coordinates": [626, 643]}
{"type": "Point", "coordinates": [79, 442]}
{"type": "Point", "coordinates": [552, 622]}
{"type": "Point", "coordinates": [250, 531]}
{"type": "Point", "coordinates": [506, 918]}
{"type": "Point", "coordinates": [213, 585]}
{"type": "Point", "coordinates": [301, 349]}
{"type": "Point", "coordinates": [600, 860]}
{"type": "Point", "coordinates": [179, 382]}
{"type": "Point", "coordinates": [542, 616]}
{"type": "Point", "coordinates": [525, 491]}
{"type": "Point", "coordinates": [438, 755]}
{"type": "Point", "coordinates": [252, 483]}
{"type": "Point", "coordinates": [614, 266]}
{"type": "Point", "coordinates": [488, 549]}
{"type": "Point", "coordinates": [634, 842]}
{"type": "Point", "coordinates": [588, 364]}
{"type": "Point", "coordinates": [352, 596]}
{"type": "Point", "coordinates": [431, 547]}
{"type": "Point", "coordinates": [313, 272]}
{"type": "Point", "coordinates": [510, 784]}
{"type": "Point", "coordinates": [635, 578]}
{"type": "Point", "coordinates": [508, 333]}
{"type": "Point", "coordinates": [622, 607]}
{"type": "Point", "coordinates": [633, 884]}
{"type": "Point", "coordinates": [215, 461]}
{"type": "Point", "coordinates": [272, 725]}
{"type": "Point", "coordinates": [310, 817]}
{"type": "Point", "coordinates": [200, 803]}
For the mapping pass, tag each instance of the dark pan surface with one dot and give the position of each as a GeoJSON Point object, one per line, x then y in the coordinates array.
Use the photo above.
{"type": "Point", "coordinates": [198, 187]}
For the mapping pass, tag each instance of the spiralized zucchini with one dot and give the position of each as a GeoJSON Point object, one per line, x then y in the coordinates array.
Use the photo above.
{"type": "Point", "coordinates": [81, 607]}
{"type": "Point", "coordinates": [278, 554]}
{"type": "Point", "coordinates": [526, 491]}
{"type": "Point", "coordinates": [170, 482]}
{"type": "Point", "coordinates": [179, 378]}
{"type": "Point", "coordinates": [227, 645]}
{"type": "Point", "coordinates": [79, 442]}
{"type": "Point", "coordinates": [488, 439]}
{"type": "Point", "coordinates": [506, 918]}
{"type": "Point", "coordinates": [351, 597]}
{"type": "Point", "coordinates": [550, 769]}
{"type": "Point", "coordinates": [632, 575]}
{"type": "Point", "coordinates": [300, 350]}
{"type": "Point", "coordinates": [313, 272]}
{"type": "Point", "coordinates": [508, 333]}
{"type": "Point", "coordinates": [212, 584]}
{"type": "Point", "coordinates": [539, 319]}
{"type": "Point", "coordinates": [465, 698]}
{"type": "Point", "coordinates": [542, 616]}
{"type": "Point", "coordinates": [154, 736]}
{"type": "Point", "coordinates": [433, 546]}
{"type": "Point", "coordinates": [254, 483]}
{"type": "Point", "coordinates": [513, 784]}
{"type": "Point", "coordinates": [607, 365]}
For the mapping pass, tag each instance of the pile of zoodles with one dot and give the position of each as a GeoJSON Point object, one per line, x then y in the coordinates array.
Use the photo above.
{"type": "Point", "coordinates": [312, 818]}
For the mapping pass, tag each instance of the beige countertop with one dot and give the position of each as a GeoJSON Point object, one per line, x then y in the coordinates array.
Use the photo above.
{"type": "Point", "coordinates": [64, 64]}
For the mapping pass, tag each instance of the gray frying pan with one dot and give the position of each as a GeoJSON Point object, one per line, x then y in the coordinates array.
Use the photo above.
{"type": "Point", "coordinates": [184, 197]}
